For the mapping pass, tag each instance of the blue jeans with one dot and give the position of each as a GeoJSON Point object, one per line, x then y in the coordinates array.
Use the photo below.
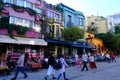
{"type": "Point", "coordinates": [64, 75]}
{"type": "Point", "coordinates": [19, 69]}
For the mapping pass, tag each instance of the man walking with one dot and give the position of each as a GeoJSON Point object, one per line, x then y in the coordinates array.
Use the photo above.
{"type": "Point", "coordinates": [20, 66]}
{"type": "Point", "coordinates": [51, 62]}
{"type": "Point", "coordinates": [84, 59]}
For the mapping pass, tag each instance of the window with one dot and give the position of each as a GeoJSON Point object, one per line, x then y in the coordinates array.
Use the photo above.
{"type": "Point", "coordinates": [12, 20]}
{"type": "Point", "coordinates": [22, 22]}
{"type": "Point", "coordinates": [80, 21]}
{"type": "Point", "coordinates": [26, 23]}
{"type": "Point", "coordinates": [57, 31]}
{"type": "Point", "coordinates": [6, 1]}
{"type": "Point", "coordinates": [20, 2]}
{"type": "Point", "coordinates": [48, 29]}
{"type": "Point", "coordinates": [37, 27]}
{"type": "Point", "coordinates": [29, 5]}
{"type": "Point", "coordinates": [19, 21]}
{"type": "Point", "coordinates": [38, 10]}
{"type": "Point", "coordinates": [69, 18]}
{"type": "Point", "coordinates": [35, 49]}
{"type": "Point", "coordinates": [18, 48]}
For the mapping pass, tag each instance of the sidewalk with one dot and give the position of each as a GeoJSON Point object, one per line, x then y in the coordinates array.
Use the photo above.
{"type": "Point", "coordinates": [73, 73]}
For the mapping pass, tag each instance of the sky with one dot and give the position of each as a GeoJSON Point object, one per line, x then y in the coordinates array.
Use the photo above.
{"type": "Point", "coordinates": [92, 7]}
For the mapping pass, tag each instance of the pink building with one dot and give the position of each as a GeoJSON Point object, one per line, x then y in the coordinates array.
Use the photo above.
{"type": "Point", "coordinates": [21, 20]}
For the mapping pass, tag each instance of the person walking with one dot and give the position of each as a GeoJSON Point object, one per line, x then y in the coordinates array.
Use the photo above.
{"type": "Point", "coordinates": [62, 70]}
{"type": "Point", "coordinates": [51, 62]}
{"type": "Point", "coordinates": [113, 57]}
{"type": "Point", "coordinates": [79, 62]}
{"type": "Point", "coordinates": [20, 66]}
{"type": "Point", "coordinates": [84, 60]}
{"type": "Point", "coordinates": [92, 62]}
{"type": "Point", "coordinates": [107, 56]}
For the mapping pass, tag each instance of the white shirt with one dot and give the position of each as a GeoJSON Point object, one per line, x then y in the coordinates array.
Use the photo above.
{"type": "Point", "coordinates": [20, 62]}
{"type": "Point", "coordinates": [85, 57]}
{"type": "Point", "coordinates": [91, 58]}
{"type": "Point", "coordinates": [63, 62]}
{"type": "Point", "coordinates": [107, 56]}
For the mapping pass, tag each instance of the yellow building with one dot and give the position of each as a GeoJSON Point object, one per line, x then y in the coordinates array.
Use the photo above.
{"type": "Point", "coordinates": [96, 43]}
{"type": "Point", "coordinates": [56, 27]}
{"type": "Point", "coordinates": [98, 22]}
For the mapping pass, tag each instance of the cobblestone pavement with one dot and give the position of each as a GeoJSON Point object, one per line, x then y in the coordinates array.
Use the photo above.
{"type": "Point", "coordinates": [104, 71]}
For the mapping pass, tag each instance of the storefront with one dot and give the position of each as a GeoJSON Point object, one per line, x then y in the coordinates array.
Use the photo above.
{"type": "Point", "coordinates": [35, 47]}
{"type": "Point", "coordinates": [58, 46]}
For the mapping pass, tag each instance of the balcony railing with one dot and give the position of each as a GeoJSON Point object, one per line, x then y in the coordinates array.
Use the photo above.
{"type": "Point", "coordinates": [55, 20]}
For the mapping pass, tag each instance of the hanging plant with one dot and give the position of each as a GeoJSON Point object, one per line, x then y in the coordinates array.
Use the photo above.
{"type": "Point", "coordinates": [17, 8]}
{"type": "Point", "coordinates": [31, 12]}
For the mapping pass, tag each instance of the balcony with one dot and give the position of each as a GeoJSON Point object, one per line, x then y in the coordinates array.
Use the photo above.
{"type": "Point", "coordinates": [55, 20]}
{"type": "Point", "coordinates": [69, 24]}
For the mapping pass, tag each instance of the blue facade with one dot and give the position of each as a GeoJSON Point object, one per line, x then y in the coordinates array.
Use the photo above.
{"type": "Point", "coordinates": [72, 17]}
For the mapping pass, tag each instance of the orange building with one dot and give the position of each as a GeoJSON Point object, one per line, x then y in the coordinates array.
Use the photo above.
{"type": "Point", "coordinates": [96, 43]}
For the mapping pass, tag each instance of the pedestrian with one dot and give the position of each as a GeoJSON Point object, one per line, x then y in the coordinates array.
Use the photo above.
{"type": "Point", "coordinates": [92, 62]}
{"type": "Point", "coordinates": [79, 62]}
{"type": "Point", "coordinates": [8, 62]}
{"type": "Point", "coordinates": [84, 60]}
{"type": "Point", "coordinates": [113, 57]}
{"type": "Point", "coordinates": [62, 70]}
{"type": "Point", "coordinates": [20, 66]}
{"type": "Point", "coordinates": [51, 63]}
{"type": "Point", "coordinates": [107, 56]}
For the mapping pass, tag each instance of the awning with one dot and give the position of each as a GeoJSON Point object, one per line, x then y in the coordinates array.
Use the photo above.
{"type": "Point", "coordinates": [81, 45]}
{"type": "Point", "coordinates": [20, 40]}
{"type": "Point", "coordinates": [57, 41]}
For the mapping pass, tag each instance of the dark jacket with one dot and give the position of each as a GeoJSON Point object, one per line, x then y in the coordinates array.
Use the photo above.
{"type": "Point", "coordinates": [51, 61]}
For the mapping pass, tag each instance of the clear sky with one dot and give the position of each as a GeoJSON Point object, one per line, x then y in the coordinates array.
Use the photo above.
{"type": "Point", "coordinates": [92, 7]}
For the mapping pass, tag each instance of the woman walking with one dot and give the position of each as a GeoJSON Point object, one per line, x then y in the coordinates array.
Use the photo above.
{"type": "Point", "coordinates": [62, 70]}
{"type": "Point", "coordinates": [92, 62]}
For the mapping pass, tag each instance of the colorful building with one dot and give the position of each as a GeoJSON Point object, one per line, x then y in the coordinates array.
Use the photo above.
{"type": "Point", "coordinates": [96, 44]}
{"type": "Point", "coordinates": [98, 24]}
{"type": "Point", "coordinates": [71, 16]}
{"type": "Point", "coordinates": [20, 28]}
{"type": "Point", "coordinates": [53, 28]}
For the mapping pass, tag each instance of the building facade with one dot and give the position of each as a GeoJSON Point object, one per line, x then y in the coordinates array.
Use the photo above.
{"type": "Point", "coordinates": [113, 20]}
{"type": "Point", "coordinates": [97, 24]}
{"type": "Point", "coordinates": [71, 16]}
{"type": "Point", "coordinates": [20, 27]}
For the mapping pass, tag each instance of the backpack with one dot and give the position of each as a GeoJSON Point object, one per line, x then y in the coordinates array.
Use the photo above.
{"type": "Point", "coordinates": [59, 65]}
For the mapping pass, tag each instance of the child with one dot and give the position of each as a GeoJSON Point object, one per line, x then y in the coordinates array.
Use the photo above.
{"type": "Point", "coordinates": [79, 61]}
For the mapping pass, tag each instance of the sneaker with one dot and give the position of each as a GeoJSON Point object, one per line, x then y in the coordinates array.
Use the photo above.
{"type": "Point", "coordinates": [25, 76]}
{"type": "Point", "coordinates": [54, 77]}
{"type": "Point", "coordinates": [45, 78]}
{"type": "Point", "coordinates": [13, 79]}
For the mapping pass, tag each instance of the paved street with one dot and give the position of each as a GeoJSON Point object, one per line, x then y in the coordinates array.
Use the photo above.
{"type": "Point", "coordinates": [105, 71]}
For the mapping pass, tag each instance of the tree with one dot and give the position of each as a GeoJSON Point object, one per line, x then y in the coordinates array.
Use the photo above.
{"type": "Point", "coordinates": [72, 33]}
{"type": "Point", "coordinates": [117, 36]}
{"type": "Point", "coordinates": [109, 40]}
{"type": "Point", "coordinates": [117, 29]}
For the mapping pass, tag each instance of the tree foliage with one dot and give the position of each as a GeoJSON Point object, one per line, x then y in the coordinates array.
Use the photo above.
{"type": "Point", "coordinates": [117, 29]}
{"type": "Point", "coordinates": [72, 33]}
{"type": "Point", "coordinates": [109, 40]}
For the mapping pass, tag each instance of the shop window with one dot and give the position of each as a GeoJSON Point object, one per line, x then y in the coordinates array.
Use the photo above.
{"type": "Point", "coordinates": [18, 48]}
{"type": "Point", "coordinates": [35, 49]}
